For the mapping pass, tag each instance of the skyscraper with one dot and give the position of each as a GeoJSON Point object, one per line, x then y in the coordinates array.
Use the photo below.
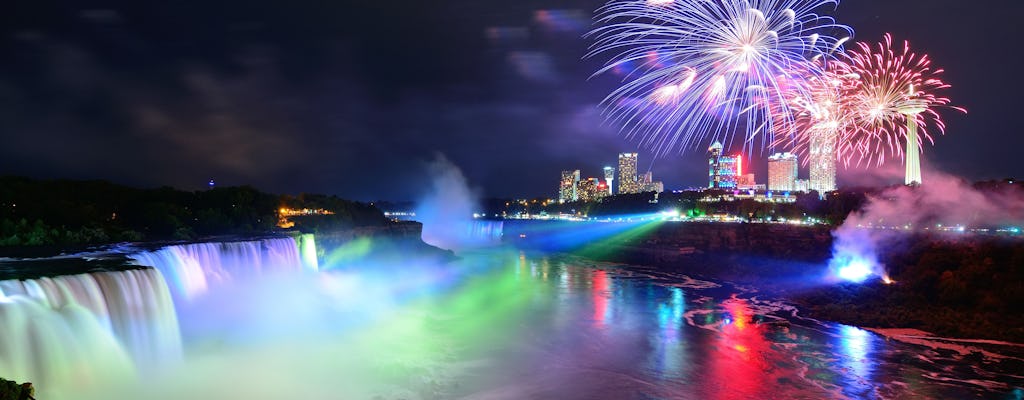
{"type": "Point", "coordinates": [723, 171]}
{"type": "Point", "coordinates": [627, 173]}
{"type": "Point", "coordinates": [823, 161]}
{"type": "Point", "coordinates": [714, 154]}
{"type": "Point", "coordinates": [567, 189]}
{"type": "Point", "coordinates": [587, 190]}
{"type": "Point", "coordinates": [609, 176]}
{"type": "Point", "coordinates": [782, 172]}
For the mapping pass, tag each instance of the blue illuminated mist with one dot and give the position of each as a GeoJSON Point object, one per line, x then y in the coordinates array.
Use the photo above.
{"type": "Point", "coordinates": [446, 210]}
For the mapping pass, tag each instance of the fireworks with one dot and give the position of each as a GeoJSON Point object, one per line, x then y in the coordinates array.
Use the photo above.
{"type": "Point", "coordinates": [812, 107]}
{"type": "Point", "coordinates": [891, 87]}
{"type": "Point", "coordinates": [862, 102]}
{"type": "Point", "coordinates": [696, 72]}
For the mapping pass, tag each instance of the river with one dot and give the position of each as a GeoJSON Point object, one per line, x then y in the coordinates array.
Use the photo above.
{"type": "Point", "coordinates": [499, 323]}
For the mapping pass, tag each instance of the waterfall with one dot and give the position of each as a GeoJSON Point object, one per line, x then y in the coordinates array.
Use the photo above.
{"type": "Point", "coordinates": [194, 269]}
{"type": "Point", "coordinates": [76, 329]}
{"type": "Point", "coordinates": [486, 232]}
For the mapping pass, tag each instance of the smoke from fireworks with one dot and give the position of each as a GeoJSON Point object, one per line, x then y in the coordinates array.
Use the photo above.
{"type": "Point", "coordinates": [696, 72]}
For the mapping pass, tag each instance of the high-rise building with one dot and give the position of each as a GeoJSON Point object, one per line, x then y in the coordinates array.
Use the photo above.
{"type": "Point", "coordinates": [568, 188]}
{"type": "Point", "coordinates": [723, 171]}
{"type": "Point", "coordinates": [627, 173]}
{"type": "Point", "coordinates": [588, 189]}
{"type": "Point", "coordinates": [823, 162]}
{"type": "Point", "coordinates": [782, 172]}
{"type": "Point", "coordinates": [609, 176]}
{"type": "Point", "coordinates": [714, 155]}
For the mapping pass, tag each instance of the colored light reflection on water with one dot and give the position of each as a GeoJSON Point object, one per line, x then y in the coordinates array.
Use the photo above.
{"type": "Point", "coordinates": [855, 346]}
{"type": "Point", "coordinates": [503, 324]}
{"type": "Point", "coordinates": [600, 293]}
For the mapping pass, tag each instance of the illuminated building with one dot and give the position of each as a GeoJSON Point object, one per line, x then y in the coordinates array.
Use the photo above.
{"type": "Point", "coordinates": [823, 162]}
{"type": "Point", "coordinates": [723, 171]}
{"type": "Point", "coordinates": [284, 212]}
{"type": "Point", "coordinates": [602, 191]}
{"type": "Point", "coordinates": [801, 185]}
{"type": "Point", "coordinates": [655, 186]}
{"type": "Point", "coordinates": [782, 172]}
{"type": "Point", "coordinates": [627, 173]}
{"type": "Point", "coordinates": [746, 182]}
{"type": "Point", "coordinates": [609, 176]}
{"type": "Point", "coordinates": [567, 189]}
{"type": "Point", "coordinates": [715, 152]}
{"type": "Point", "coordinates": [588, 189]}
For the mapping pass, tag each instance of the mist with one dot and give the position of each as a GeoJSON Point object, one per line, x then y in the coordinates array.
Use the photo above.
{"type": "Point", "coordinates": [944, 203]}
{"type": "Point", "coordinates": [446, 210]}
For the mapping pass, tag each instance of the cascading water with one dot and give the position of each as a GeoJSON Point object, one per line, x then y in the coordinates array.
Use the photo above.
{"type": "Point", "coordinates": [194, 269]}
{"type": "Point", "coordinates": [72, 332]}
{"type": "Point", "coordinates": [80, 329]}
{"type": "Point", "coordinates": [486, 232]}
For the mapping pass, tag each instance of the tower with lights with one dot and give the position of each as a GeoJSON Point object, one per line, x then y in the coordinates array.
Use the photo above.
{"type": "Point", "coordinates": [911, 109]}
{"type": "Point", "coordinates": [609, 176]}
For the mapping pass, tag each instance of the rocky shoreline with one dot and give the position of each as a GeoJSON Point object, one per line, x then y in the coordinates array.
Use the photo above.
{"type": "Point", "coordinates": [10, 390]}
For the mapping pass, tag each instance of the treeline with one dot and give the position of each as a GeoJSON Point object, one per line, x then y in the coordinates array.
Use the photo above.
{"type": "Point", "coordinates": [65, 212]}
{"type": "Point", "coordinates": [963, 287]}
{"type": "Point", "coordinates": [832, 208]}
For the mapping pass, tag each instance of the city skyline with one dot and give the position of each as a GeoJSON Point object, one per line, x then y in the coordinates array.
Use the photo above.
{"type": "Point", "coordinates": [254, 97]}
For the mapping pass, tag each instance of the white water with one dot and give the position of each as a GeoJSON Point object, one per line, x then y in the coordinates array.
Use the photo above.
{"type": "Point", "coordinates": [76, 332]}
{"type": "Point", "coordinates": [192, 270]}
{"type": "Point", "coordinates": [83, 329]}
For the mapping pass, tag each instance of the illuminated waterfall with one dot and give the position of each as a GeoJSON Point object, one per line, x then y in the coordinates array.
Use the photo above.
{"type": "Point", "coordinates": [194, 269]}
{"type": "Point", "coordinates": [80, 329]}
{"type": "Point", "coordinates": [486, 232]}
{"type": "Point", "coordinates": [71, 332]}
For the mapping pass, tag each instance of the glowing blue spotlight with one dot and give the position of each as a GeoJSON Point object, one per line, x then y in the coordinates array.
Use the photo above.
{"type": "Point", "coordinates": [855, 271]}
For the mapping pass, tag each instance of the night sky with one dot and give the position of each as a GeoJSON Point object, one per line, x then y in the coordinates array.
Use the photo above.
{"type": "Point", "coordinates": [355, 98]}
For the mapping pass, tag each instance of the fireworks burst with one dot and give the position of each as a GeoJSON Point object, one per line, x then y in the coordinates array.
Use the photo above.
{"type": "Point", "coordinates": [696, 72]}
{"type": "Point", "coordinates": [811, 114]}
{"type": "Point", "coordinates": [890, 86]}
{"type": "Point", "coordinates": [863, 100]}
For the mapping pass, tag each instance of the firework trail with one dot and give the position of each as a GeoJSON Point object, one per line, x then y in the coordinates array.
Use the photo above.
{"type": "Point", "coordinates": [696, 72]}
